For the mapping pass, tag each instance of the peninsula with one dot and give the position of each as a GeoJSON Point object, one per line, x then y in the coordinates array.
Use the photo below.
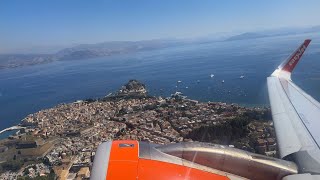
{"type": "Point", "coordinates": [61, 141]}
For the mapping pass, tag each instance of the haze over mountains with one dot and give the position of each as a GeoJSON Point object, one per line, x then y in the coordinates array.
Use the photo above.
{"type": "Point", "coordinates": [86, 51]}
{"type": "Point", "coordinates": [272, 33]}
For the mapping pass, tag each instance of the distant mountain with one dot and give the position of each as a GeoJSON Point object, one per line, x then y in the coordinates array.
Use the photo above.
{"type": "Point", "coordinates": [85, 51]}
{"type": "Point", "coordinates": [115, 47]}
{"type": "Point", "coordinates": [315, 29]}
{"type": "Point", "coordinates": [273, 32]}
{"type": "Point", "coordinates": [247, 35]}
{"type": "Point", "coordinates": [17, 60]}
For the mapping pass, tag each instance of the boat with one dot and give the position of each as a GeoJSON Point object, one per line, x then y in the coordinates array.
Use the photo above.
{"type": "Point", "coordinates": [211, 75]}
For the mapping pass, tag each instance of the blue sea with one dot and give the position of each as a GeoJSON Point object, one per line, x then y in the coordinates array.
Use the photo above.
{"type": "Point", "coordinates": [29, 89]}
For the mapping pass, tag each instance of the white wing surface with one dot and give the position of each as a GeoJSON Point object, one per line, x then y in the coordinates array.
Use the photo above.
{"type": "Point", "coordinates": [296, 116]}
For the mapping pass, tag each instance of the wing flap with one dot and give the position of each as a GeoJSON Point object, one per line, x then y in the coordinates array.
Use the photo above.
{"type": "Point", "coordinates": [288, 140]}
{"type": "Point", "coordinates": [307, 109]}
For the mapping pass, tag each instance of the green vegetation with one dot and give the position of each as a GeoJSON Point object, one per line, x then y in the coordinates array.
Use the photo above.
{"type": "Point", "coordinates": [236, 131]}
{"type": "Point", "coordinates": [253, 115]}
{"type": "Point", "coordinates": [13, 165]}
{"type": "Point", "coordinates": [223, 133]}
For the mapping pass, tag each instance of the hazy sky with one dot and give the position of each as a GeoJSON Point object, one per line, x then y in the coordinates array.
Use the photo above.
{"type": "Point", "coordinates": [44, 25]}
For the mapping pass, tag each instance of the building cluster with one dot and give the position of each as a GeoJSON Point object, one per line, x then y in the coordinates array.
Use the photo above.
{"type": "Point", "coordinates": [31, 170]}
{"type": "Point", "coordinates": [264, 135]}
{"type": "Point", "coordinates": [78, 128]}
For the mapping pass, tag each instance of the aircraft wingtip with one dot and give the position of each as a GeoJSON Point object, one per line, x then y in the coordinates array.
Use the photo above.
{"type": "Point", "coordinates": [293, 60]}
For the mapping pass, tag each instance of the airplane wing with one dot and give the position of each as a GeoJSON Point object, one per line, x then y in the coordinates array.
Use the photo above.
{"type": "Point", "coordinates": [296, 116]}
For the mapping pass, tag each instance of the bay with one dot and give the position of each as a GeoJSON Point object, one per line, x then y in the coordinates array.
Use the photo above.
{"type": "Point", "coordinates": [29, 89]}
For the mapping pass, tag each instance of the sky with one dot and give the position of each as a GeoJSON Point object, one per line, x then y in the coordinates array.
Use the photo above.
{"type": "Point", "coordinates": [46, 25]}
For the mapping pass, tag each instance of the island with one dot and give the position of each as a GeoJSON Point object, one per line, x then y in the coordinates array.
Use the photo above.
{"type": "Point", "coordinates": [60, 142]}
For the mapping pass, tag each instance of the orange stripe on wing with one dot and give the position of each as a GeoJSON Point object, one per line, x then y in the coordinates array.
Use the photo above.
{"type": "Point", "coordinates": [157, 170]}
{"type": "Point", "coordinates": [123, 163]}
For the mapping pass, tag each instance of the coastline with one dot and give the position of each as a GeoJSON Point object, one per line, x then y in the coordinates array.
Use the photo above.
{"type": "Point", "coordinates": [8, 131]}
{"type": "Point", "coordinates": [127, 94]}
{"type": "Point", "coordinates": [12, 128]}
{"type": "Point", "coordinates": [70, 133]}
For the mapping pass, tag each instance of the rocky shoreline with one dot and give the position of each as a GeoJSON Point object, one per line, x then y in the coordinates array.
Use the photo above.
{"type": "Point", "coordinates": [65, 137]}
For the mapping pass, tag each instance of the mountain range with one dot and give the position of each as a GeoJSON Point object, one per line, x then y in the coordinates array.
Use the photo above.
{"type": "Point", "coordinates": [272, 33]}
{"type": "Point", "coordinates": [87, 51]}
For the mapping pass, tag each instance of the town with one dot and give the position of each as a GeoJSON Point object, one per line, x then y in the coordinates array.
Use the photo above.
{"type": "Point", "coordinates": [60, 142]}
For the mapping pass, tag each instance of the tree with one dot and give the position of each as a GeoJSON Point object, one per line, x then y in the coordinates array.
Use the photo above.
{"type": "Point", "coordinates": [222, 133]}
{"type": "Point", "coordinates": [26, 171]}
{"type": "Point", "coordinates": [12, 165]}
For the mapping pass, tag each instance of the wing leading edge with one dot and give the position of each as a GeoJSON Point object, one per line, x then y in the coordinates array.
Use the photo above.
{"type": "Point", "coordinates": [296, 116]}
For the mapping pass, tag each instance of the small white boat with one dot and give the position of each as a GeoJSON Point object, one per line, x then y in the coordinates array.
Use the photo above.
{"type": "Point", "coordinates": [179, 81]}
{"type": "Point", "coordinates": [211, 75]}
{"type": "Point", "coordinates": [187, 87]}
{"type": "Point", "coordinates": [241, 77]}
{"type": "Point", "coordinates": [222, 81]}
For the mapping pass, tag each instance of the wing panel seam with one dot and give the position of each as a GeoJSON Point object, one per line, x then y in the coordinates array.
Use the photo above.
{"type": "Point", "coordinates": [299, 115]}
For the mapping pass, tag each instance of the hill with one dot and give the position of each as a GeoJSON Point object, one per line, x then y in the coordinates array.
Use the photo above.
{"type": "Point", "coordinates": [248, 35]}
